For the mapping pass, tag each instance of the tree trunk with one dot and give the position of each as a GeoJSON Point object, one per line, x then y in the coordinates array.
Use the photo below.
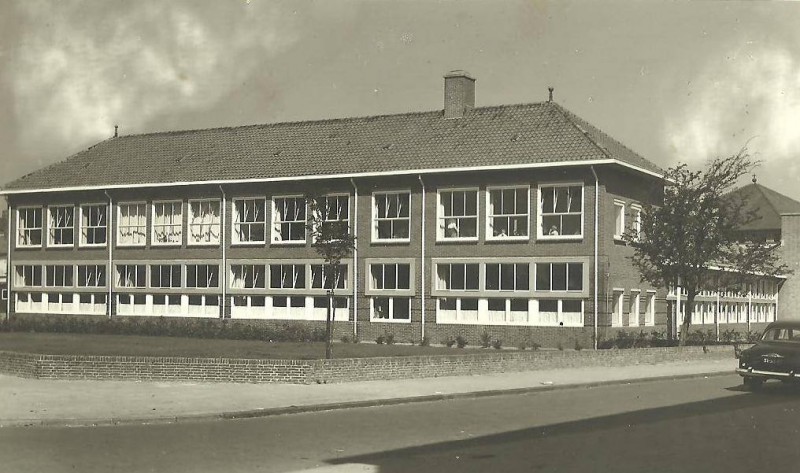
{"type": "Point", "coordinates": [687, 318]}
{"type": "Point", "coordinates": [329, 328]}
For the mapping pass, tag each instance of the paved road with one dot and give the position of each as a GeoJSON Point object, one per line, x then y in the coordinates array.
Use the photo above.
{"type": "Point", "coordinates": [690, 425]}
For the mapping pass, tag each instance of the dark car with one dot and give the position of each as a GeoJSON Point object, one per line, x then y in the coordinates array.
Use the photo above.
{"type": "Point", "coordinates": [775, 356]}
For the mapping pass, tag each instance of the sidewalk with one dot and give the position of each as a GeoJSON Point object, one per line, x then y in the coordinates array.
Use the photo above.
{"type": "Point", "coordinates": [31, 402]}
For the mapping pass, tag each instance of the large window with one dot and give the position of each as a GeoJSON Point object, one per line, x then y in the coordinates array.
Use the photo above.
{"type": "Point", "coordinates": [91, 275]}
{"type": "Point", "coordinates": [165, 275]}
{"type": "Point", "coordinates": [560, 312]}
{"type": "Point", "coordinates": [58, 275]}
{"type": "Point", "coordinates": [560, 211]}
{"type": "Point", "coordinates": [28, 276]}
{"type": "Point", "coordinates": [202, 275]}
{"type": "Point", "coordinates": [507, 212]}
{"type": "Point", "coordinates": [390, 276]}
{"type": "Point", "coordinates": [507, 277]}
{"type": "Point", "coordinates": [248, 276]}
{"type": "Point", "coordinates": [458, 214]}
{"type": "Point", "coordinates": [167, 223]}
{"type": "Point", "coordinates": [132, 224]}
{"type": "Point", "coordinates": [93, 225]}
{"type": "Point", "coordinates": [320, 277]}
{"type": "Point", "coordinates": [335, 208]}
{"type": "Point", "coordinates": [249, 220]}
{"type": "Point", "coordinates": [389, 309]}
{"type": "Point", "coordinates": [289, 220]}
{"type": "Point", "coordinates": [131, 275]}
{"type": "Point", "coordinates": [204, 222]}
{"type": "Point", "coordinates": [287, 276]}
{"type": "Point", "coordinates": [29, 226]}
{"type": "Point", "coordinates": [457, 276]}
{"type": "Point", "coordinates": [392, 216]}
{"type": "Point", "coordinates": [559, 276]}
{"type": "Point", "coordinates": [61, 231]}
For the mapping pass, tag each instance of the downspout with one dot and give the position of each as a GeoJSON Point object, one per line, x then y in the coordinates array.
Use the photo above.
{"type": "Point", "coordinates": [716, 316]}
{"type": "Point", "coordinates": [110, 239]}
{"type": "Point", "coordinates": [422, 258]}
{"type": "Point", "coordinates": [355, 259]}
{"type": "Point", "coordinates": [8, 264]}
{"type": "Point", "coordinates": [596, 248]}
{"type": "Point", "coordinates": [224, 242]}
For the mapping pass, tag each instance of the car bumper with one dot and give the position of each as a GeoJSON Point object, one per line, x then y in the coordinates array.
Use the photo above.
{"type": "Point", "coordinates": [749, 372]}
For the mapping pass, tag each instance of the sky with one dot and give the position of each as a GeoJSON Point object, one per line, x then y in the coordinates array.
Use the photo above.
{"type": "Point", "coordinates": [678, 82]}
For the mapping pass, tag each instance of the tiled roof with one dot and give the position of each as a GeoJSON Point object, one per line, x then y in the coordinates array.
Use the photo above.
{"type": "Point", "coordinates": [767, 204]}
{"type": "Point", "coordinates": [506, 135]}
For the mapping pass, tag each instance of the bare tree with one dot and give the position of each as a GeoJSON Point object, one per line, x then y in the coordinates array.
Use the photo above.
{"type": "Point", "coordinates": [693, 239]}
{"type": "Point", "coordinates": [332, 240]}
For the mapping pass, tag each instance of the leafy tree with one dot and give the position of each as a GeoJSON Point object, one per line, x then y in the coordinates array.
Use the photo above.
{"type": "Point", "coordinates": [333, 242]}
{"type": "Point", "coordinates": [692, 239]}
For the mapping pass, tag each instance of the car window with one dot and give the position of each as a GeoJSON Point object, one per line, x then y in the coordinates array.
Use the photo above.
{"type": "Point", "coordinates": [782, 334]}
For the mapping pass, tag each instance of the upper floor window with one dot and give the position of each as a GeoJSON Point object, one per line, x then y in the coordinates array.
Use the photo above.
{"type": "Point", "coordinates": [392, 216]}
{"type": "Point", "coordinates": [289, 220]}
{"type": "Point", "coordinates": [132, 224]}
{"type": "Point", "coordinates": [165, 275]}
{"type": "Point", "coordinates": [458, 214]}
{"type": "Point", "coordinates": [619, 219]}
{"type": "Point", "coordinates": [390, 276]}
{"type": "Point", "coordinates": [636, 225]}
{"type": "Point", "coordinates": [320, 277]}
{"type": "Point", "coordinates": [204, 222]}
{"type": "Point", "coordinates": [167, 223]}
{"type": "Point", "coordinates": [61, 231]}
{"type": "Point", "coordinates": [202, 275]}
{"type": "Point", "coordinates": [335, 208]}
{"type": "Point", "coordinates": [560, 211]}
{"type": "Point", "coordinates": [458, 276]}
{"type": "Point", "coordinates": [131, 275]}
{"type": "Point", "coordinates": [559, 276]}
{"type": "Point", "coordinates": [248, 276]}
{"type": "Point", "coordinates": [287, 276]}
{"type": "Point", "coordinates": [249, 220]}
{"type": "Point", "coordinates": [29, 226]}
{"type": "Point", "coordinates": [507, 212]}
{"type": "Point", "coordinates": [93, 225]}
{"type": "Point", "coordinates": [92, 275]}
{"type": "Point", "coordinates": [28, 276]}
{"type": "Point", "coordinates": [507, 276]}
{"type": "Point", "coordinates": [58, 276]}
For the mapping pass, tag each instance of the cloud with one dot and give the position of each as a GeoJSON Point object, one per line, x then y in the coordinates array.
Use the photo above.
{"type": "Point", "coordinates": [748, 97]}
{"type": "Point", "coordinates": [81, 67]}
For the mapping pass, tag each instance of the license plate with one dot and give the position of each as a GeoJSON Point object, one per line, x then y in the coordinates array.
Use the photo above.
{"type": "Point", "coordinates": [769, 361]}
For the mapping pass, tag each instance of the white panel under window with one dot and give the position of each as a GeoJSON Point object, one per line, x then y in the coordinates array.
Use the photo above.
{"type": "Point", "coordinates": [204, 222]}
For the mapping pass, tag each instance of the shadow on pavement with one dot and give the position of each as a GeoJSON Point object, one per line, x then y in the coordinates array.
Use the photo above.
{"type": "Point", "coordinates": [710, 435]}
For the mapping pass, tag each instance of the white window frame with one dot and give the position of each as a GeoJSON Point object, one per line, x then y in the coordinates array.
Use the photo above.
{"type": "Point", "coordinates": [637, 220]}
{"type": "Point", "coordinates": [619, 219]}
{"type": "Point", "coordinates": [52, 228]}
{"type": "Point", "coordinates": [295, 272]}
{"type": "Point", "coordinates": [97, 269]}
{"type": "Point", "coordinates": [396, 265]}
{"type": "Point", "coordinates": [195, 284]}
{"type": "Point", "coordinates": [505, 292]}
{"type": "Point", "coordinates": [238, 224]}
{"type": "Point", "coordinates": [539, 211]}
{"type": "Point", "coordinates": [132, 228]}
{"type": "Point", "coordinates": [376, 219]}
{"type": "Point", "coordinates": [650, 310]}
{"type": "Point", "coordinates": [390, 316]}
{"type": "Point", "coordinates": [21, 231]}
{"type": "Point", "coordinates": [449, 288]}
{"type": "Point", "coordinates": [245, 268]}
{"type": "Point", "coordinates": [442, 220]}
{"type": "Point", "coordinates": [28, 272]}
{"type": "Point", "coordinates": [82, 237]}
{"type": "Point", "coordinates": [560, 317]}
{"type": "Point", "coordinates": [172, 282]}
{"type": "Point", "coordinates": [634, 306]}
{"type": "Point", "coordinates": [277, 235]}
{"type": "Point", "coordinates": [67, 271]}
{"type": "Point", "coordinates": [567, 264]}
{"type": "Point", "coordinates": [490, 215]}
{"type": "Point", "coordinates": [136, 266]}
{"type": "Point", "coordinates": [214, 241]}
{"type": "Point", "coordinates": [341, 283]}
{"type": "Point", "coordinates": [167, 226]}
{"type": "Point", "coordinates": [617, 308]}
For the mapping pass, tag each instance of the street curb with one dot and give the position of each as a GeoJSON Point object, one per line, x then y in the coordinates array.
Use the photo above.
{"type": "Point", "coordinates": [277, 411]}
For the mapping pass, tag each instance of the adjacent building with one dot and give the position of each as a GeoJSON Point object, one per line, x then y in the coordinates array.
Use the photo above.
{"type": "Point", "coordinates": [505, 219]}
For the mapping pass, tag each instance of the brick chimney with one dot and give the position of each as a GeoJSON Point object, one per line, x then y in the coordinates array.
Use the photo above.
{"type": "Point", "coordinates": [459, 94]}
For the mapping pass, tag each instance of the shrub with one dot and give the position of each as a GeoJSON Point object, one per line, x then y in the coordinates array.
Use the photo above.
{"type": "Point", "coordinates": [390, 338]}
{"type": "Point", "coordinates": [560, 346]}
{"type": "Point", "coordinates": [461, 342]}
{"type": "Point", "coordinates": [497, 344]}
{"type": "Point", "coordinates": [535, 346]}
{"type": "Point", "coordinates": [578, 346]}
{"type": "Point", "coordinates": [752, 336]}
{"type": "Point", "coordinates": [449, 342]}
{"type": "Point", "coordinates": [426, 341]}
{"type": "Point", "coordinates": [345, 339]}
{"type": "Point", "coordinates": [380, 339]}
{"type": "Point", "coordinates": [486, 340]}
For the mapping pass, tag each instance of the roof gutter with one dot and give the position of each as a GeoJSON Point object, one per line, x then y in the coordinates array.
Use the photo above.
{"type": "Point", "coordinates": [401, 172]}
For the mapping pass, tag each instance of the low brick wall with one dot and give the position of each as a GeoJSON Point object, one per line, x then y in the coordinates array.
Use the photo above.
{"type": "Point", "coordinates": [337, 370]}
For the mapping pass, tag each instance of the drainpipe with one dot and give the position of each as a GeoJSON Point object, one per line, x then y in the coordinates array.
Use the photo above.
{"type": "Point", "coordinates": [110, 240]}
{"type": "Point", "coordinates": [716, 316]}
{"type": "Point", "coordinates": [596, 247]}
{"type": "Point", "coordinates": [223, 280]}
{"type": "Point", "coordinates": [422, 257]}
{"type": "Point", "coordinates": [355, 258]}
{"type": "Point", "coordinates": [8, 264]}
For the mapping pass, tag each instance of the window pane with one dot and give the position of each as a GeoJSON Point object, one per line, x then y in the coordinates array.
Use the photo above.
{"type": "Point", "coordinates": [548, 305]}
{"type": "Point", "coordinates": [571, 305]}
{"type": "Point", "coordinates": [507, 277]}
{"type": "Point", "coordinates": [522, 283]}
{"type": "Point", "coordinates": [402, 308]}
{"type": "Point", "coordinates": [542, 277]}
{"type": "Point", "coordinates": [492, 277]}
{"type": "Point", "coordinates": [473, 277]}
{"type": "Point", "coordinates": [469, 304]}
{"type": "Point", "coordinates": [380, 307]}
{"type": "Point", "coordinates": [575, 277]}
{"type": "Point", "coordinates": [559, 276]}
{"type": "Point", "coordinates": [403, 276]}
{"type": "Point", "coordinates": [497, 305]}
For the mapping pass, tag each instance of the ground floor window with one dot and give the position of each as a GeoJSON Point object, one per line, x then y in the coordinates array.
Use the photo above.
{"type": "Point", "coordinates": [60, 303]}
{"type": "Point", "coordinates": [510, 311]}
{"type": "Point", "coordinates": [288, 307]}
{"type": "Point", "coordinates": [390, 309]}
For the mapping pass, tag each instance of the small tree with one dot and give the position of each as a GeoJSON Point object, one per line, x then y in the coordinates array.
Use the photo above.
{"type": "Point", "coordinates": [692, 239]}
{"type": "Point", "coordinates": [333, 241]}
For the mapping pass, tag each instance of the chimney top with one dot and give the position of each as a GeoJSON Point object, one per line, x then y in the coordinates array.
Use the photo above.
{"type": "Point", "coordinates": [459, 93]}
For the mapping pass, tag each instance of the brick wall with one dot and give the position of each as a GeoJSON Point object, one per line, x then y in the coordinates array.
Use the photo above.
{"type": "Point", "coordinates": [332, 371]}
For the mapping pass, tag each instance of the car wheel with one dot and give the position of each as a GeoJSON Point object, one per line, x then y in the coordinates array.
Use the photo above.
{"type": "Point", "coordinates": [753, 384]}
